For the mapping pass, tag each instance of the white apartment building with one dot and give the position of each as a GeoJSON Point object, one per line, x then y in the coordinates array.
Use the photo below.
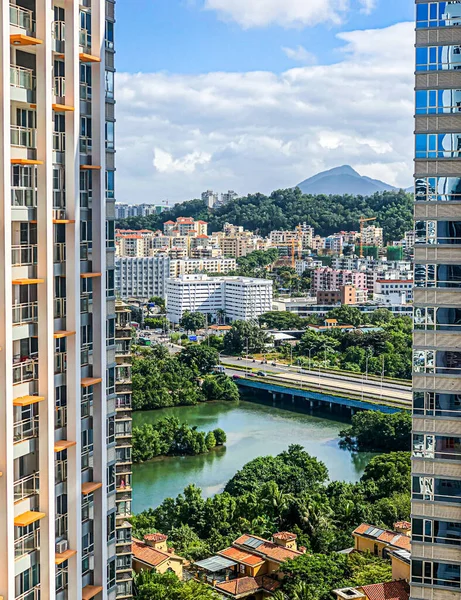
{"type": "Point", "coordinates": [63, 509]}
{"type": "Point", "coordinates": [394, 288]}
{"type": "Point", "coordinates": [242, 298]}
{"type": "Point", "coordinates": [144, 277]}
{"type": "Point", "coordinates": [210, 198]}
{"type": "Point", "coordinates": [373, 236]}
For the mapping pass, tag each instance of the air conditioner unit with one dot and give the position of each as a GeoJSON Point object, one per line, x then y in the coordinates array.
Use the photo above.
{"type": "Point", "coordinates": [59, 214]}
{"type": "Point", "coordinates": [62, 546]}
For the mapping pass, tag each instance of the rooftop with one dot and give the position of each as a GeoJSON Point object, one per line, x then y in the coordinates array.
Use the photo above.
{"type": "Point", "coordinates": [155, 537]}
{"type": "Point", "coordinates": [151, 556]}
{"type": "Point", "coordinates": [394, 590]}
{"type": "Point", "coordinates": [247, 585]}
{"type": "Point", "coordinates": [391, 538]}
{"type": "Point", "coordinates": [241, 556]}
{"type": "Point", "coordinates": [285, 535]}
{"type": "Point", "coordinates": [267, 549]}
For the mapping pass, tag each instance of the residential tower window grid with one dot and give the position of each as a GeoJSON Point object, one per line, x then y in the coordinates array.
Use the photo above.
{"type": "Point", "coordinates": [436, 466]}
{"type": "Point", "coordinates": [60, 476]}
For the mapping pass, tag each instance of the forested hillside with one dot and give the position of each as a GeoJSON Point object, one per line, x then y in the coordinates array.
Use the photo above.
{"type": "Point", "coordinates": [284, 209]}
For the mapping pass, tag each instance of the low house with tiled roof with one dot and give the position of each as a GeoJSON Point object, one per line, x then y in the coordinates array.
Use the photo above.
{"type": "Point", "coordinates": [393, 590]}
{"type": "Point", "coordinates": [380, 542]}
{"type": "Point", "coordinates": [250, 567]}
{"type": "Point", "coordinates": [153, 554]}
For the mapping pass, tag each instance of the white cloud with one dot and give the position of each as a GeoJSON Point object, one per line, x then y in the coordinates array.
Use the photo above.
{"type": "Point", "coordinates": [180, 134]}
{"type": "Point", "coordinates": [300, 54]}
{"type": "Point", "coordinates": [368, 6]}
{"type": "Point", "coordinates": [165, 163]}
{"type": "Point", "coordinates": [288, 13]}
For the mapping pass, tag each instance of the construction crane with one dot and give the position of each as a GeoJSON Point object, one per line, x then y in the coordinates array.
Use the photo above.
{"type": "Point", "coordinates": [362, 221]}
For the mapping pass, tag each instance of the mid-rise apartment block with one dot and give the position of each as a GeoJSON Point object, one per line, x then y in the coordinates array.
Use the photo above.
{"type": "Point", "coordinates": [60, 531]}
{"type": "Point", "coordinates": [241, 298]}
{"type": "Point", "coordinates": [124, 211]}
{"type": "Point", "coordinates": [373, 236]}
{"type": "Point", "coordinates": [333, 279]}
{"type": "Point", "coordinates": [436, 462]}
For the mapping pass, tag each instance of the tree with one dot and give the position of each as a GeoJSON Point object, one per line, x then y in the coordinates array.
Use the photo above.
{"type": "Point", "coordinates": [281, 320]}
{"type": "Point", "coordinates": [191, 321]}
{"type": "Point", "coordinates": [210, 440]}
{"type": "Point", "coordinates": [346, 315]}
{"type": "Point", "coordinates": [200, 358]}
{"type": "Point", "coordinates": [388, 474]}
{"type": "Point", "coordinates": [379, 432]}
{"type": "Point", "coordinates": [245, 335]}
{"type": "Point", "coordinates": [159, 302]}
{"type": "Point", "coordinates": [317, 343]}
{"type": "Point", "coordinates": [166, 586]}
{"type": "Point", "coordinates": [220, 436]}
{"type": "Point", "coordinates": [220, 387]}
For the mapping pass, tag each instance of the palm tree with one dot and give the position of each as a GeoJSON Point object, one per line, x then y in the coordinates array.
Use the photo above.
{"type": "Point", "coordinates": [303, 591]}
{"type": "Point", "coordinates": [221, 316]}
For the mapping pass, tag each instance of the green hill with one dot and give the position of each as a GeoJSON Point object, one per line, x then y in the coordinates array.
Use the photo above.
{"type": "Point", "coordinates": [284, 209]}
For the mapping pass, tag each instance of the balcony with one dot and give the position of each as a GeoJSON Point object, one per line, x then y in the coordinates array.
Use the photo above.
{"type": "Point", "coordinates": [26, 545]}
{"type": "Point", "coordinates": [123, 403]}
{"type": "Point", "coordinates": [33, 594]}
{"type": "Point", "coordinates": [59, 253]}
{"type": "Point", "coordinates": [61, 525]}
{"type": "Point", "coordinates": [86, 92]}
{"type": "Point", "coordinates": [26, 487]}
{"type": "Point", "coordinates": [60, 363]}
{"type": "Point", "coordinates": [60, 471]}
{"type": "Point", "coordinates": [62, 579]}
{"type": "Point", "coordinates": [23, 137]}
{"type": "Point", "coordinates": [59, 308]}
{"type": "Point", "coordinates": [85, 249]}
{"type": "Point", "coordinates": [22, 18]}
{"type": "Point", "coordinates": [22, 78]}
{"type": "Point", "coordinates": [59, 141]}
{"type": "Point", "coordinates": [24, 197]}
{"type": "Point", "coordinates": [24, 256]}
{"type": "Point", "coordinates": [60, 417]}
{"type": "Point", "coordinates": [26, 313]}
{"type": "Point", "coordinates": [25, 369]}
{"type": "Point", "coordinates": [85, 41]}
{"type": "Point", "coordinates": [86, 144]}
{"type": "Point", "coordinates": [25, 429]}
{"type": "Point", "coordinates": [59, 87]}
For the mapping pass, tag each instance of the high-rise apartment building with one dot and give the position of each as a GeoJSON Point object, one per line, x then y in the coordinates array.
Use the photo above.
{"type": "Point", "coordinates": [63, 529]}
{"type": "Point", "coordinates": [436, 463]}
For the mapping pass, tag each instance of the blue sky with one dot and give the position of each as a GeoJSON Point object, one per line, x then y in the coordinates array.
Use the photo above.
{"type": "Point", "coordinates": [181, 37]}
{"type": "Point", "coordinates": [255, 95]}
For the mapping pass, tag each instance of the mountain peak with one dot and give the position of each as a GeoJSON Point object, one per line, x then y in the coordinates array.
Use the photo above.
{"type": "Point", "coordinates": [342, 180]}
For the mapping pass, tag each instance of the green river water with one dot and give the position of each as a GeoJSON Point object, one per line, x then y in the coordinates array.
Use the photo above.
{"type": "Point", "coordinates": [252, 430]}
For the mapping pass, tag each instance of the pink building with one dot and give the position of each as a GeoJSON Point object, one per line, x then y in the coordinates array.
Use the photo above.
{"type": "Point", "coordinates": [334, 279]}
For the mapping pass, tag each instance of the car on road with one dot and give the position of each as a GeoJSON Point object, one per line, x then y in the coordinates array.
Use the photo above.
{"type": "Point", "coordinates": [261, 374]}
{"type": "Point", "coordinates": [236, 376]}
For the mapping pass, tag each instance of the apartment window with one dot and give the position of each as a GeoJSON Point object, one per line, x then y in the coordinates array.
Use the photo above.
{"type": "Point", "coordinates": [438, 58]}
{"type": "Point", "coordinates": [436, 490]}
{"type": "Point", "coordinates": [124, 508]}
{"type": "Point", "coordinates": [85, 82]}
{"type": "Point", "coordinates": [111, 380]}
{"type": "Point", "coordinates": [123, 535]}
{"type": "Point", "coordinates": [438, 145]}
{"type": "Point", "coordinates": [444, 276]}
{"type": "Point", "coordinates": [441, 362]}
{"type": "Point", "coordinates": [438, 189]}
{"type": "Point", "coordinates": [110, 135]}
{"type": "Point", "coordinates": [435, 573]}
{"type": "Point", "coordinates": [123, 428]}
{"type": "Point", "coordinates": [110, 430]}
{"type": "Point", "coordinates": [27, 580]}
{"type": "Point", "coordinates": [434, 102]}
{"type": "Point", "coordinates": [438, 14]}
{"type": "Point", "coordinates": [110, 331]}
{"type": "Point", "coordinates": [438, 446]}
{"type": "Point", "coordinates": [110, 35]}
{"type": "Point", "coordinates": [111, 571]}
{"type": "Point", "coordinates": [110, 184]}
{"type": "Point", "coordinates": [124, 588]}
{"type": "Point", "coordinates": [439, 405]}
{"type": "Point", "coordinates": [109, 84]}
{"type": "Point", "coordinates": [440, 319]}
{"type": "Point", "coordinates": [124, 563]}
{"type": "Point", "coordinates": [123, 454]}
{"type": "Point", "coordinates": [436, 532]}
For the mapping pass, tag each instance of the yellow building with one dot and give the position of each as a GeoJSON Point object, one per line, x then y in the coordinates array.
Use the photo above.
{"type": "Point", "coordinates": [153, 554]}
{"type": "Point", "coordinates": [380, 542]}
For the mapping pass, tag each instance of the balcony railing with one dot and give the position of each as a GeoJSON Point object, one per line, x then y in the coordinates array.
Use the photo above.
{"type": "Point", "coordinates": [59, 29]}
{"type": "Point", "coordinates": [86, 144]}
{"type": "Point", "coordinates": [23, 256]}
{"type": "Point", "coordinates": [60, 471]}
{"type": "Point", "coordinates": [85, 299]}
{"type": "Point", "coordinates": [33, 594]}
{"type": "Point", "coordinates": [62, 579]}
{"type": "Point", "coordinates": [59, 141]}
{"type": "Point", "coordinates": [59, 308]}
{"type": "Point", "coordinates": [22, 17]}
{"type": "Point", "coordinates": [59, 86]}
{"type": "Point", "coordinates": [86, 408]}
{"type": "Point", "coordinates": [86, 91]}
{"type": "Point", "coordinates": [59, 199]}
{"type": "Point", "coordinates": [123, 402]}
{"type": "Point", "coordinates": [85, 40]}
{"type": "Point", "coordinates": [60, 362]}
{"type": "Point", "coordinates": [21, 77]}
{"type": "Point", "coordinates": [27, 544]}
{"type": "Point", "coordinates": [60, 417]}
{"type": "Point", "coordinates": [25, 429]}
{"type": "Point", "coordinates": [25, 313]}
{"type": "Point", "coordinates": [24, 197]}
{"type": "Point", "coordinates": [61, 525]}
{"type": "Point", "coordinates": [25, 370]}
{"type": "Point", "coordinates": [25, 137]}
{"type": "Point", "coordinates": [26, 487]}
{"type": "Point", "coordinates": [59, 253]}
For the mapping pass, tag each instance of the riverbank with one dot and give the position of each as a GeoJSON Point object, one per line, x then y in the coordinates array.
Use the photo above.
{"type": "Point", "coordinates": [253, 429]}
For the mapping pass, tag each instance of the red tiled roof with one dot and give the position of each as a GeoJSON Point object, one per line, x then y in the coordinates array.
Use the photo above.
{"type": "Point", "coordinates": [248, 585]}
{"type": "Point", "coordinates": [203, 222]}
{"type": "Point", "coordinates": [269, 549]}
{"type": "Point", "coordinates": [392, 538]}
{"type": "Point", "coordinates": [156, 537]}
{"type": "Point", "coordinates": [147, 554]}
{"type": "Point", "coordinates": [241, 556]}
{"type": "Point", "coordinates": [169, 223]}
{"type": "Point", "coordinates": [402, 525]}
{"type": "Point", "coordinates": [285, 535]}
{"type": "Point", "coordinates": [394, 590]}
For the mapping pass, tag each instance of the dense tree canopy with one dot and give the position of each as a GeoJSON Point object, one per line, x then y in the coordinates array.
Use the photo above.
{"type": "Point", "coordinates": [379, 432]}
{"type": "Point", "coordinates": [285, 209]}
{"type": "Point", "coordinates": [170, 437]}
{"type": "Point", "coordinates": [191, 321]}
{"type": "Point", "coordinates": [199, 358]}
{"type": "Point", "coordinates": [156, 586]}
{"type": "Point", "coordinates": [243, 336]}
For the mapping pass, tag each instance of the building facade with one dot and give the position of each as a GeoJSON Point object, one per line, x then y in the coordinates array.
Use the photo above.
{"type": "Point", "coordinates": [436, 464]}
{"type": "Point", "coordinates": [241, 298]}
{"type": "Point", "coordinates": [333, 279]}
{"type": "Point", "coordinates": [59, 528]}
